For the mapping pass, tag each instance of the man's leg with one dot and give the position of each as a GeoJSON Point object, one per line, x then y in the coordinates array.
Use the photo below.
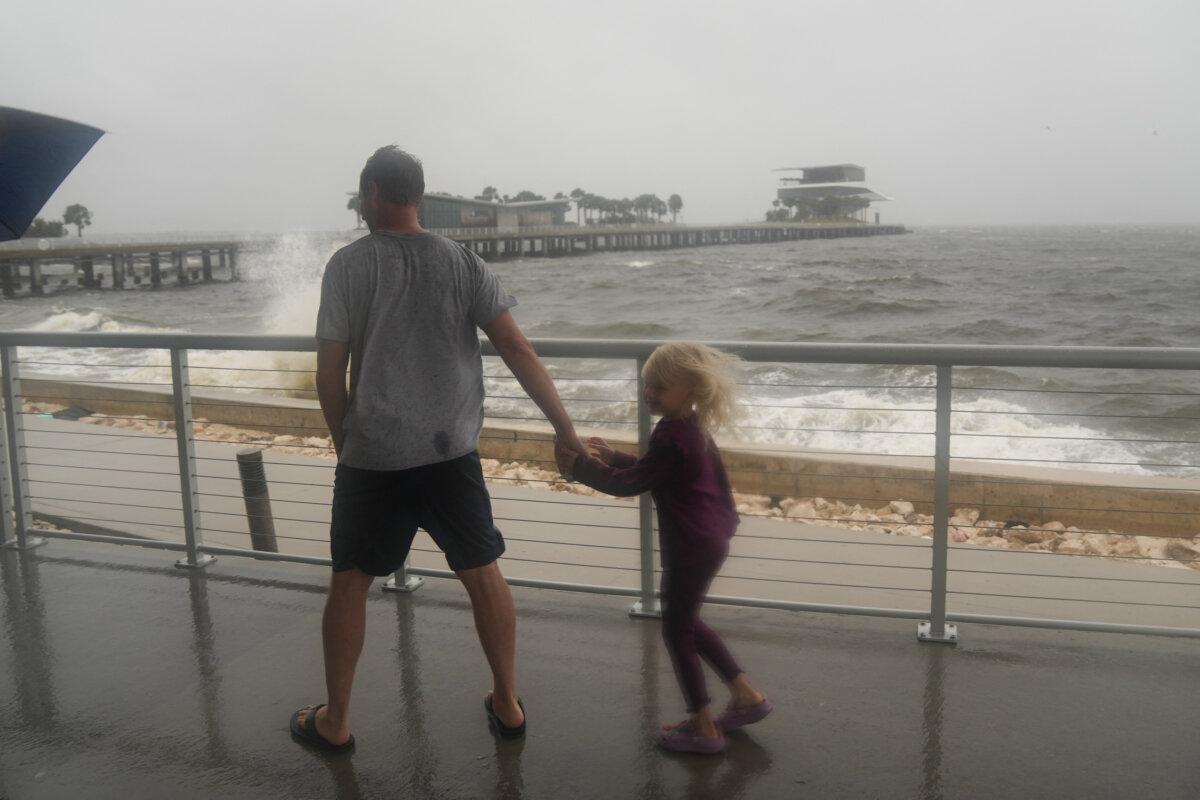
{"type": "Point", "coordinates": [496, 623]}
{"type": "Point", "coordinates": [343, 628]}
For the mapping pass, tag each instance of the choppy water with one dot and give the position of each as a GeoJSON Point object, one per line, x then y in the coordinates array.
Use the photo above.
{"type": "Point", "coordinates": [1119, 286]}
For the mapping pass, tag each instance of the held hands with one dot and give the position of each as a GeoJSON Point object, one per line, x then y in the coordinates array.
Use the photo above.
{"type": "Point", "coordinates": [565, 456]}
{"type": "Point", "coordinates": [566, 450]}
{"type": "Point", "coordinates": [601, 448]}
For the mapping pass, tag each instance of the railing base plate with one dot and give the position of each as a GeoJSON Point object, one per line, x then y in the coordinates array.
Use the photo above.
{"type": "Point", "coordinates": [30, 543]}
{"type": "Point", "coordinates": [202, 561]}
{"type": "Point", "coordinates": [411, 584]}
{"type": "Point", "coordinates": [639, 611]}
{"type": "Point", "coordinates": [949, 634]}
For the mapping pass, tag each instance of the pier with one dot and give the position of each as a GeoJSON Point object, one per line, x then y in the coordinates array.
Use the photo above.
{"type": "Point", "coordinates": [34, 271]}
{"type": "Point", "coordinates": [493, 244]}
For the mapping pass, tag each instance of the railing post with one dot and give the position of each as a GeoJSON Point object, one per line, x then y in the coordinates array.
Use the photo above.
{"type": "Point", "coordinates": [182, 393]}
{"type": "Point", "coordinates": [936, 629]}
{"type": "Point", "coordinates": [8, 533]}
{"type": "Point", "coordinates": [17, 536]}
{"type": "Point", "coordinates": [648, 605]}
{"type": "Point", "coordinates": [401, 581]}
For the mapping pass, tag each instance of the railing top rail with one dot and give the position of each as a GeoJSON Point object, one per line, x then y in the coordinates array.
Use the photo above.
{"type": "Point", "coordinates": [1169, 358]}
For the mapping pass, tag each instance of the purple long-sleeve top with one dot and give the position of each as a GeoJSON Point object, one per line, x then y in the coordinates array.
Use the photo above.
{"type": "Point", "coordinates": [682, 470]}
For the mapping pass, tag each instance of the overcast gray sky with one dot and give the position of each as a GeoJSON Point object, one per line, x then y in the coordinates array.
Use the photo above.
{"type": "Point", "coordinates": [245, 115]}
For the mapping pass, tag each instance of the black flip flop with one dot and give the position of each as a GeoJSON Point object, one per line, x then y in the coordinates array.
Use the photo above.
{"type": "Point", "coordinates": [307, 732]}
{"type": "Point", "coordinates": [498, 726]}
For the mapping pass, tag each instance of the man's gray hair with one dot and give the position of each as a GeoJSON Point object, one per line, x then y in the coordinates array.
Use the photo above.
{"type": "Point", "coordinates": [399, 176]}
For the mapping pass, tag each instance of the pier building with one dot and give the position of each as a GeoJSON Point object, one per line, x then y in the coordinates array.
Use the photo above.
{"type": "Point", "coordinates": [830, 183]}
{"type": "Point", "coordinates": [448, 211]}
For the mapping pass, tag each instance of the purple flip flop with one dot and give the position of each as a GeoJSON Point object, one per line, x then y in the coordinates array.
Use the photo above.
{"type": "Point", "coordinates": [735, 718]}
{"type": "Point", "coordinates": [682, 739]}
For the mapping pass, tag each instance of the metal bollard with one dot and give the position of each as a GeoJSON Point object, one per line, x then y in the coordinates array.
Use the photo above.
{"type": "Point", "coordinates": [258, 501]}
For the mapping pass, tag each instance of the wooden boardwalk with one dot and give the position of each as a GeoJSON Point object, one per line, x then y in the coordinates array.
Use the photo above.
{"type": "Point", "coordinates": [34, 271]}
{"type": "Point", "coordinates": [494, 244]}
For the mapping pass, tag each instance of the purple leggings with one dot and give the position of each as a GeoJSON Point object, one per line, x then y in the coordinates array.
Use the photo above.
{"type": "Point", "coordinates": [688, 570]}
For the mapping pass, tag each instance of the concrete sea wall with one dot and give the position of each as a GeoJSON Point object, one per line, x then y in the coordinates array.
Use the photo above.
{"type": "Point", "coordinates": [1138, 504]}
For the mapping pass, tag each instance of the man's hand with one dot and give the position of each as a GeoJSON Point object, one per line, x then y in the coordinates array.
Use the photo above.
{"type": "Point", "coordinates": [571, 441]}
{"type": "Point", "coordinates": [565, 457]}
{"type": "Point", "coordinates": [602, 449]}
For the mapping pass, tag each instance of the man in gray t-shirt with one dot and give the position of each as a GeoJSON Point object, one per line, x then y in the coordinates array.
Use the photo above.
{"type": "Point", "coordinates": [402, 308]}
{"type": "Point", "coordinates": [410, 305]}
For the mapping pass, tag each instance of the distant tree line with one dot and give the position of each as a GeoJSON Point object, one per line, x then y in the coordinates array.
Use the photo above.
{"type": "Point", "coordinates": [595, 209]}
{"type": "Point", "coordinates": [590, 209]}
{"type": "Point", "coordinates": [817, 209]}
{"type": "Point", "coordinates": [76, 214]}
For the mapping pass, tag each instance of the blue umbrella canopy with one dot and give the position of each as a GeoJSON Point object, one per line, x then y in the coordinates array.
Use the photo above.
{"type": "Point", "coordinates": [37, 153]}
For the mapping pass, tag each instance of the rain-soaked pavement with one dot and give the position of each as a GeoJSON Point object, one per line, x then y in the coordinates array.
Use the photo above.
{"type": "Point", "coordinates": [123, 677]}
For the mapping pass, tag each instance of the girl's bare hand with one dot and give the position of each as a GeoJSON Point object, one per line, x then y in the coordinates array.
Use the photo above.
{"type": "Point", "coordinates": [602, 449]}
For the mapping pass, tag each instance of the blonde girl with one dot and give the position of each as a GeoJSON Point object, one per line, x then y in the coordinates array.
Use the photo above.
{"type": "Point", "coordinates": [689, 385]}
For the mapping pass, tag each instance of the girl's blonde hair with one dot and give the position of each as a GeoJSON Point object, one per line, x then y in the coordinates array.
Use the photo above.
{"type": "Point", "coordinates": [706, 373]}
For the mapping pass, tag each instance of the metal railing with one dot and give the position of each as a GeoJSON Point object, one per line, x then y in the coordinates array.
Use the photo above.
{"type": "Point", "coordinates": [67, 471]}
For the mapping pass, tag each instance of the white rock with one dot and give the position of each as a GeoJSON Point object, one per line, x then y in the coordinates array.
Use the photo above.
{"type": "Point", "coordinates": [1071, 547]}
{"type": "Point", "coordinates": [1125, 546]}
{"type": "Point", "coordinates": [1054, 526]}
{"type": "Point", "coordinates": [1022, 534]}
{"type": "Point", "coordinates": [971, 514]}
{"type": "Point", "coordinates": [800, 510]}
{"type": "Point", "coordinates": [901, 507]}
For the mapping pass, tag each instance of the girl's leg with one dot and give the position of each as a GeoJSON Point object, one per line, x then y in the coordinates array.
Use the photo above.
{"type": "Point", "coordinates": [713, 650]}
{"type": "Point", "coordinates": [685, 582]}
{"type": "Point", "coordinates": [679, 618]}
{"type": "Point", "coordinates": [742, 693]}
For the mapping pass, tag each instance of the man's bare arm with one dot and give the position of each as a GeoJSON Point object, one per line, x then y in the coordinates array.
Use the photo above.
{"type": "Point", "coordinates": [332, 360]}
{"type": "Point", "coordinates": [520, 357]}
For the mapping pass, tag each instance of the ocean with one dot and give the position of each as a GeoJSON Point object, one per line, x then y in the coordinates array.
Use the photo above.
{"type": "Point", "coordinates": [1103, 285]}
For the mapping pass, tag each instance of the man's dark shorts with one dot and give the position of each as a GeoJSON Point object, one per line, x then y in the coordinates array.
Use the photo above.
{"type": "Point", "coordinates": [376, 514]}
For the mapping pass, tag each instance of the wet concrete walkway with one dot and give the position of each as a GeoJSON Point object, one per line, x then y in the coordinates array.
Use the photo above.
{"type": "Point", "coordinates": [123, 677]}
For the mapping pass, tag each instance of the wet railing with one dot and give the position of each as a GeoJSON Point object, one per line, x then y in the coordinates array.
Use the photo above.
{"type": "Point", "coordinates": [871, 479]}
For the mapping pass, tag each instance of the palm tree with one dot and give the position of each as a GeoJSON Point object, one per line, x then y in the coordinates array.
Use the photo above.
{"type": "Point", "coordinates": [79, 216]}
{"type": "Point", "coordinates": [593, 206]}
{"type": "Point", "coordinates": [643, 205]}
{"type": "Point", "coordinates": [675, 203]}
{"type": "Point", "coordinates": [578, 195]}
{"type": "Point", "coordinates": [355, 204]}
{"type": "Point", "coordinates": [660, 208]}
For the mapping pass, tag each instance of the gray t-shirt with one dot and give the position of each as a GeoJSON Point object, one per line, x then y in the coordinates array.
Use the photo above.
{"type": "Point", "coordinates": [410, 304]}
